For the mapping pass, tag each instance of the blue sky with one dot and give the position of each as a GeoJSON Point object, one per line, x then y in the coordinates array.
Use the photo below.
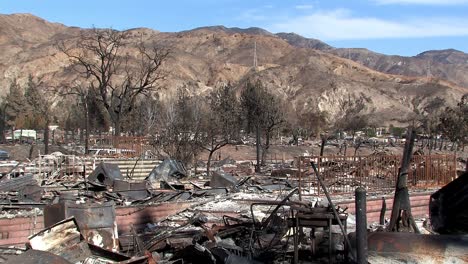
{"type": "Point", "coordinates": [403, 27]}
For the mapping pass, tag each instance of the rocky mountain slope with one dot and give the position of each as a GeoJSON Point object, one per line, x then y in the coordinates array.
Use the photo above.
{"type": "Point", "coordinates": [306, 73]}
{"type": "Point", "coordinates": [450, 64]}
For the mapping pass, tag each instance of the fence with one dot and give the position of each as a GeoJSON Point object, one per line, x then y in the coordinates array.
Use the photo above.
{"type": "Point", "coordinates": [376, 173]}
{"type": "Point", "coordinates": [72, 168]}
{"type": "Point", "coordinates": [127, 146]}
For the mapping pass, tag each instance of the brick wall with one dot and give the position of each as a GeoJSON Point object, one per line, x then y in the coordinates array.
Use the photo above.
{"type": "Point", "coordinates": [419, 206]}
{"type": "Point", "coordinates": [16, 231]}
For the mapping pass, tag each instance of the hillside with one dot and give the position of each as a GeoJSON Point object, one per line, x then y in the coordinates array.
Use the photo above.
{"type": "Point", "coordinates": [306, 73]}
{"type": "Point", "coordinates": [450, 65]}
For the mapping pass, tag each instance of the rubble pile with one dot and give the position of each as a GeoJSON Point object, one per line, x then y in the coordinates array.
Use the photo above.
{"type": "Point", "coordinates": [233, 216]}
{"type": "Point", "coordinates": [228, 219]}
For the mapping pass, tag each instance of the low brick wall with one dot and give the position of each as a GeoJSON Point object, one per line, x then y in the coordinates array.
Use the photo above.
{"type": "Point", "coordinates": [419, 206]}
{"type": "Point", "coordinates": [15, 231]}
{"type": "Point", "coordinates": [138, 216]}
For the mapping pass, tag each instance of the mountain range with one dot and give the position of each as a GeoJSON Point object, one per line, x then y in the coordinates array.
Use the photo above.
{"type": "Point", "coordinates": [307, 73]}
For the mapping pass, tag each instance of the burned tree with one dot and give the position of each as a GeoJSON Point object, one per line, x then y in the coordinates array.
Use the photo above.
{"type": "Point", "coordinates": [13, 108]}
{"type": "Point", "coordinates": [180, 134]}
{"type": "Point", "coordinates": [273, 117]}
{"type": "Point", "coordinates": [262, 112]}
{"type": "Point", "coordinates": [145, 116]}
{"type": "Point", "coordinates": [221, 121]}
{"type": "Point", "coordinates": [401, 209]}
{"type": "Point", "coordinates": [454, 122]}
{"type": "Point", "coordinates": [40, 106]}
{"type": "Point", "coordinates": [83, 93]}
{"type": "Point", "coordinates": [117, 78]}
{"type": "Point", "coordinates": [352, 116]}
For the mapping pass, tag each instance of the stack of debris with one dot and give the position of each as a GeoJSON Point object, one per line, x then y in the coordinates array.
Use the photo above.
{"type": "Point", "coordinates": [246, 231]}
{"type": "Point", "coordinates": [172, 218]}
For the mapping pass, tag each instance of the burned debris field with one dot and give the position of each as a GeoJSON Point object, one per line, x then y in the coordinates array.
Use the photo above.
{"type": "Point", "coordinates": [221, 145]}
{"type": "Point", "coordinates": [310, 209]}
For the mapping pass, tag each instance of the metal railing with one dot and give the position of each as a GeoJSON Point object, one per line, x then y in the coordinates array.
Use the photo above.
{"type": "Point", "coordinates": [342, 174]}
{"type": "Point", "coordinates": [127, 146]}
{"type": "Point", "coordinates": [70, 168]}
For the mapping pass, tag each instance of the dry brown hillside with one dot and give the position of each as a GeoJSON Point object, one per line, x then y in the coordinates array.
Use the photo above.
{"type": "Point", "coordinates": [305, 76]}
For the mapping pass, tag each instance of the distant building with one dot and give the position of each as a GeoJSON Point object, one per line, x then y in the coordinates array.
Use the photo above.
{"type": "Point", "coordinates": [25, 134]}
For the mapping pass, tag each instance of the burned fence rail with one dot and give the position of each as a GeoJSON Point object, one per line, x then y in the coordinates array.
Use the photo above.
{"type": "Point", "coordinates": [125, 146]}
{"type": "Point", "coordinates": [342, 174]}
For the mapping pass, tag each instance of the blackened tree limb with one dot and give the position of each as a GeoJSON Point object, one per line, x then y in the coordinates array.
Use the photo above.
{"type": "Point", "coordinates": [401, 210]}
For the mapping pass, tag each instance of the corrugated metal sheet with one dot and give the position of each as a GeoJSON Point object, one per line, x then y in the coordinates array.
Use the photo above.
{"type": "Point", "coordinates": [16, 184]}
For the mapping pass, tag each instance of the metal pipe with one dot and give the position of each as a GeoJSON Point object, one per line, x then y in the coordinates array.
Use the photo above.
{"type": "Point", "coordinates": [361, 225]}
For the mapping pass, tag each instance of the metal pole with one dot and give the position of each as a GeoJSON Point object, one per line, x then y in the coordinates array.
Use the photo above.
{"type": "Point", "coordinates": [299, 160]}
{"type": "Point", "coordinates": [361, 225]}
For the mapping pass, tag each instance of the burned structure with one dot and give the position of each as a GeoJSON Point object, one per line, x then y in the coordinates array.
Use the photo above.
{"type": "Point", "coordinates": [294, 212]}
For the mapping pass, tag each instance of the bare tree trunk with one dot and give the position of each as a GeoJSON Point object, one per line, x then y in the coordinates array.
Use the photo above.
{"type": "Point", "coordinates": [46, 137]}
{"type": "Point", "coordinates": [257, 168]}
{"type": "Point", "coordinates": [356, 150]}
{"type": "Point", "coordinates": [117, 129]}
{"type": "Point", "coordinates": [3, 128]}
{"type": "Point", "coordinates": [265, 148]}
{"type": "Point", "coordinates": [81, 135]}
{"type": "Point", "coordinates": [208, 163]}
{"type": "Point", "coordinates": [31, 151]}
{"type": "Point", "coordinates": [322, 145]}
{"type": "Point", "coordinates": [401, 210]}
{"type": "Point", "coordinates": [86, 128]}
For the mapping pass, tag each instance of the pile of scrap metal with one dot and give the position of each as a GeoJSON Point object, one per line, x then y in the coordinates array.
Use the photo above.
{"type": "Point", "coordinates": [162, 185]}
{"type": "Point", "coordinates": [65, 243]}
{"type": "Point", "coordinates": [229, 219]}
{"type": "Point", "coordinates": [239, 231]}
{"type": "Point", "coordinates": [19, 192]}
{"type": "Point", "coordinates": [242, 227]}
{"type": "Point", "coordinates": [168, 182]}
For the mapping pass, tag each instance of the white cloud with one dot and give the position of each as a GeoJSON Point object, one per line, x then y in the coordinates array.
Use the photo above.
{"type": "Point", "coordinates": [302, 7]}
{"type": "Point", "coordinates": [252, 15]}
{"type": "Point", "coordinates": [341, 24]}
{"type": "Point", "coordinates": [421, 2]}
